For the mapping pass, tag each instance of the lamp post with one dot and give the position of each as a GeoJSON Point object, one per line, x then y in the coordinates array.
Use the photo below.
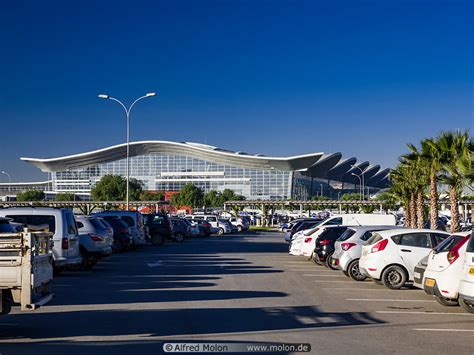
{"type": "Point", "coordinates": [362, 183]}
{"type": "Point", "coordinates": [127, 113]}
{"type": "Point", "coordinates": [9, 179]}
{"type": "Point", "coordinates": [360, 186]}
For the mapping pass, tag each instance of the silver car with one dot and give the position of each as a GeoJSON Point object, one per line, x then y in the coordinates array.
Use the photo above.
{"type": "Point", "coordinates": [94, 239]}
{"type": "Point", "coordinates": [348, 249]}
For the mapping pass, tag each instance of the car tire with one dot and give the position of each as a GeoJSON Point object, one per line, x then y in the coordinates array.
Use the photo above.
{"type": "Point", "coordinates": [328, 264]}
{"type": "Point", "coordinates": [468, 306]}
{"type": "Point", "coordinates": [239, 229]}
{"type": "Point", "coordinates": [446, 301]}
{"type": "Point", "coordinates": [179, 237]}
{"type": "Point", "coordinates": [394, 277]}
{"type": "Point", "coordinates": [221, 231]}
{"type": "Point", "coordinates": [354, 272]}
{"type": "Point", "coordinates": [86, 259]}
{"type": "Point", "coordinates": [315, 259]}
{"type": "Point", "coordinates": [157, 240]}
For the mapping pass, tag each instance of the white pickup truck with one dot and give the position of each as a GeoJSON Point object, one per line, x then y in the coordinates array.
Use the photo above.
{"type": "Point", "coordinates": [26, 270]}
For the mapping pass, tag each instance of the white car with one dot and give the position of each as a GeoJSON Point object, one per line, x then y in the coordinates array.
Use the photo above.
{"type": "Point", "coordinates": [466, 287]}
{"type": "Point", "coordinates": [444, 269]}
{"type": "Point", "coordinates": [309, 241]}
{"type": "Point", "coordinates": [391, 256]}
{"type": "Point", "coordinates": [348, 249]}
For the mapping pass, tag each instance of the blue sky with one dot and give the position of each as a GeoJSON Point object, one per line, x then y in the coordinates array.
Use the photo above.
{"type": "Point", "coordinates": [271, 77]}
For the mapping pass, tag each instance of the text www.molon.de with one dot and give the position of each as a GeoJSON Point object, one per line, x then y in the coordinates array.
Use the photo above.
{"type": "Point", "coordinates": [235, 347]}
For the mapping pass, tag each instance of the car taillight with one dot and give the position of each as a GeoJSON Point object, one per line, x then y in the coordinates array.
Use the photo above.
{"type": "Point", "coordinates": [379, 246]}
{"type": "Point", "coordinates": [347, 246]}
{"type": "Point", "coordinates": [95, 237]}
{"type": "Point", "coordinates": [307, 240]}
{"type": "Point", "coordinates": [324, 242]}
{"type": "Point", "coordinates": [454, 252]}
{"type": "Point", "coordinates": [65, 243]}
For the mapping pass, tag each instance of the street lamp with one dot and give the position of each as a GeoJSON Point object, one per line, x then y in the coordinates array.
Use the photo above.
{"type": "Point", "coordinates": [127, 113]}
{"type": "Point", "coordinates": [9, 179]}
{"type": "Point", "coordinates": [362, 183]}
{"type": "Point", "coordinates": [360, 186]}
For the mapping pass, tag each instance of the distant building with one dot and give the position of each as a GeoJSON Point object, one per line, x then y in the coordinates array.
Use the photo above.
{"type": "Point", "coordinates": [168, 166]}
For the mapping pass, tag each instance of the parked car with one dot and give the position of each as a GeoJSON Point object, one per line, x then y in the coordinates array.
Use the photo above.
{"type": "Point", "coordinates": [300, 227]}
{"type": "Point", "coordinates": [123, 239]}
{"type": "Point", "coordinates": [193, 227]}
{"type": "Point", "coordinates": [61, 222]}
{"type": "Point", "coordinates": [348, 249]}
{"type": "Point", "coordinates": [134, 221]}
{"type": "Point", "coordinates": [219, 227]}
{"type": "Point", "coordinates": [390, 256]}
{"type": "Point", "coordinates": [419, 272]}
{"type": "Point", "coordinates": [444, 270]}
{"type": "Point", "coordinates": [240, 223]}
{"type": "Point", "coordinates": [466, 287]}
{"type": "Point", "coordinates": [205, 228]}
{"type": "Point", "coordinates": [181, 229]}
{"type": "Point", "coordinates": [159, 227]}
{"type": "Point", "coordinates": [95, 242]}
{"type": "Point", "coordinates": [225, 226]}
{"type": "Point", "coordinates": [324, 246]}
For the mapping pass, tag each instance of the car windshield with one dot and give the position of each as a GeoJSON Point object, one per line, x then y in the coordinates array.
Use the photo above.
{"type": "Point", "coordinates": [448, 243]}
{"type": "Point", "coordinates": [347, 234]}
{"type": "Point", "coordinates": [470, 246]}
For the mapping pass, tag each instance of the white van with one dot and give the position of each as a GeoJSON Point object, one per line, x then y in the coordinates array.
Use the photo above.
{"type": "Point", "coordinates": [61, 222]}
{"type": "Point", "coordinates": [361, 219]}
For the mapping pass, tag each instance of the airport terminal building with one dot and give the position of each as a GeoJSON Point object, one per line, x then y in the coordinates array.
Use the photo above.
{"type": "Point", "coordinates": [168, 166]}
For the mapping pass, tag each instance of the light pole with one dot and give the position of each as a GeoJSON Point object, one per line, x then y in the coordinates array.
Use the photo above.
{"type": "Point", "coordinates": [9, 179]}
{"type": "Point", "coordinates": [360, 186]}
{"type": "Point", "coordinates": [127, 113]}
{"type": "Point", "coordinates": [362, 183]}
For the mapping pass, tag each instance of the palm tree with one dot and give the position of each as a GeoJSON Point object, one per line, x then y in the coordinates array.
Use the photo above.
{"type": "Point", "coordinates": [419, 168]}
{"type": "Point", "coordinates": [457, 152]}
{"type": "Point", "coordinates": [401, 190]}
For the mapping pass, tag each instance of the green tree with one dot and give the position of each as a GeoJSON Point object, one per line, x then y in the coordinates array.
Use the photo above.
{"type": "Point", "coordinates": [114, 187]}
{"type": "Point", "coordinates": [152, 196]}
{"type": "Point", "coordinates": [190, 195]}
{"type": "Point", "coordinates": [213, 199]}
{"type": "Point", "coordinates": [350, 196]}
{"type": "Point", "coordinates": [30, 195]}
{"type": "Point", "coordinates": [230, 195]}
{"type": "Point", "coordinates": [65, 196]}
{"type": "Point", "coordinates": [457, 149]}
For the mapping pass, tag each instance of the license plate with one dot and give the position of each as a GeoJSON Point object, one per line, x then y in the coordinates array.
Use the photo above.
{"type": "Point", "coordinates": [430, 282]}
{"type": "Point", "coordinates": [471, 271]}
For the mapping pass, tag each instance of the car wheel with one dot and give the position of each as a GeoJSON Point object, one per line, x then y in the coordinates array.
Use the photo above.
{"type": "Point", "coordinates": [86, 259]}
{"type": "Point", "coordinates": [157, 239]}
{"type": "Point", "coordinates": [179, 237]}
{"type": "Point", "coordinates": [221, 231]}
{"type": "Point", "coordinates": [394, 277]}
{"type": "Point", "coordinates": [354, 271]}
{"type": "Point", "coordinates": [315, 259]}
{"type": "Point", "coordinates": [446, 301]}
{"type": "Point", "coordinates": [468, 306]}
{"type": "Point", "coordinates": [239, 229]}
{"type": "Point", "coordinates": [328, 262]}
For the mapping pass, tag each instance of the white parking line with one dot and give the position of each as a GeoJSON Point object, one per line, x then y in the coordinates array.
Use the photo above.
{"type": "Point", "coordinates": [345, 281]}
{"type": "Point", "coordinates": [359, 289]}
{"type": "Point", "coordinates": [385, 300]}
{"type": "Point", "coordinates": [425, 313]}
{"type": "Point", "coordinates": [336, 275]}
{"type": "Point", "coordinates": [443, 330]}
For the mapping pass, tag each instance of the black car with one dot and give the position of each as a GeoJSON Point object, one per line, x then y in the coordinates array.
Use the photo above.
{"type": "Point", "coordinates": [205, 228]}
{"type": "Point", "coordinates": [325, 243]}
{"type": "Point", "coordinates": [303, 225]}
{"type": "Point", "coordinates": [122, 235]}
{"type": "Point", "coordinates": [159, 227]}
{"type": "Point", "coordinates": [181, 229]}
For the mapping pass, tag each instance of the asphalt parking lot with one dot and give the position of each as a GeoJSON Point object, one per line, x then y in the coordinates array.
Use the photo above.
{"type": "Point", "coordinates": [235, 288]}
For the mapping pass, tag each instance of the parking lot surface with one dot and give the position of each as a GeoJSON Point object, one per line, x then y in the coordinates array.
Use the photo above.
{"type": "Point", "coordinates": [239, 288]}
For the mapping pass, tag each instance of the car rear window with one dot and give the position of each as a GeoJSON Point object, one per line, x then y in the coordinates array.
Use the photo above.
{"type": "Point", "coordinates": [376, 237]}
{"type": "Point", "coordinates": [70, 223]}
{"type": "Point", "coordinates": [129, 220]}
{"type": "Point", "coordinates": [97, 224]}
{"type": "Point", "coordinates": [346, 235]}
{"type": "Point", "coordinates": [448, 243]}
{"type": "Point", "coordinates": [470, 246]}
{"type": "Point", "coordinates": [36, 220]}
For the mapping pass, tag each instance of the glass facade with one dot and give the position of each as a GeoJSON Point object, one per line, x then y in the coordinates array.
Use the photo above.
{"type": "Point", "coordinates": [170, 172]}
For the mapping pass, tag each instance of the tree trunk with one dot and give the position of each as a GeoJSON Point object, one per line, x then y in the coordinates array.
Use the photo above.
{"type": "Point", "coordinates": [472, 213]}
{"type": "Point", "coordinates": [420, 218]}
{"type": "Point", "coordinates": [453, 200]}
{"type": "Point", "coordinates": [407, 215]}
{"type": "Point", "coordinates": [433, 202]}
{"type": "Point", "coordinates": [412, 211]}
